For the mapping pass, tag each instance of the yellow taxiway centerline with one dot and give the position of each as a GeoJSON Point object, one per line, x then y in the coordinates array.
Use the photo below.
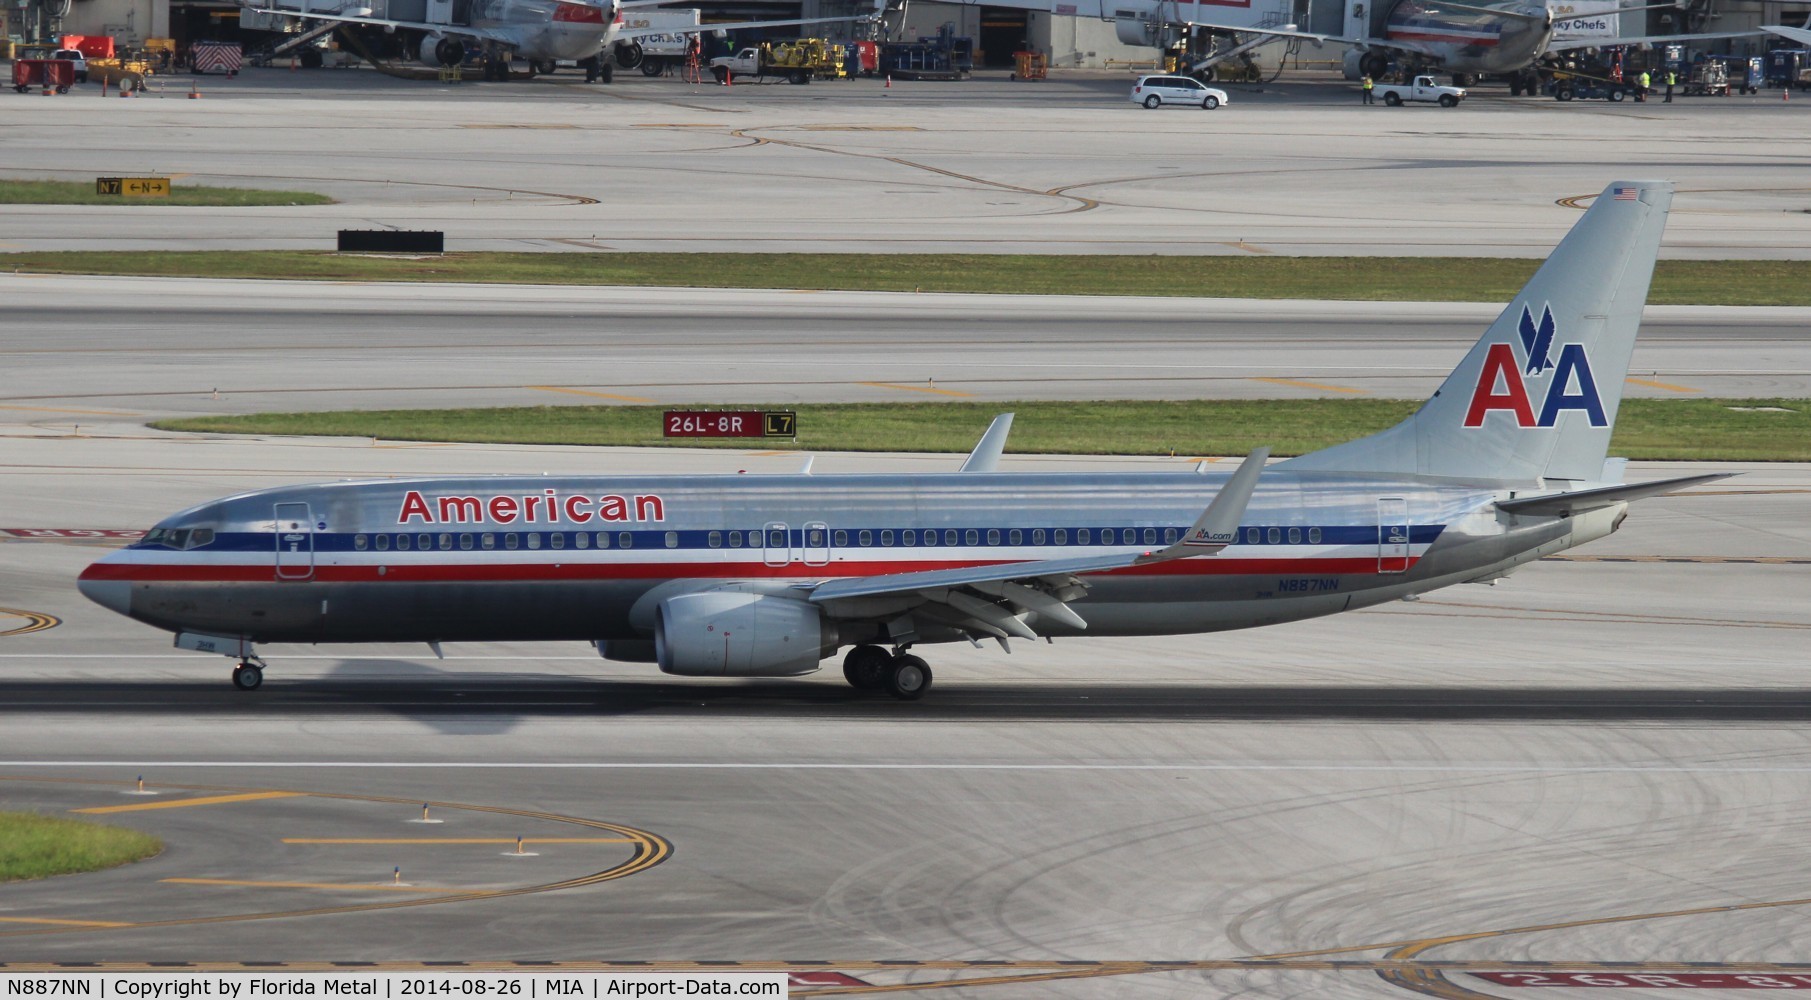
{"type": "Point", "coordinates": [62, 923]}
{"type": "Point", "coordinates": [1310, 385]}
{"type": "Point", "coordinates": [915, 388]}
{"type": "Point", "coordinates": [375, 886]}
{"type": "Point", "coordinates": [1668, 386]}
{"type": "Point", "coordinates": [587, 392]}
{"type": "Point", "coordinates": [206, 800]}
{"type": "Point", "coordinates": [456, 840]}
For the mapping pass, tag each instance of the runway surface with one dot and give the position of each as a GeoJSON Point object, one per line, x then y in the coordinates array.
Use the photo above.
{"type": "Point", "coordinates": [1066, 165]}
{"type": "Point", "coordinates": [95, 351]}
{"type": "Point", "coordinates": [1601, 761]}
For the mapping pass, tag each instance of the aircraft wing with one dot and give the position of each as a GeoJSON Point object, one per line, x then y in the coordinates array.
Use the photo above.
{"type": "Point", "coordinates": [1598, 43]}
{"type": "Point", "coordinates": [1580, 501]}
{"type": "Point", "coordinates": [1799, 35]}
{"type": "Point", "coordinates": [450, 30]}
{"type": "Point", "coordinates": [1044, 586]}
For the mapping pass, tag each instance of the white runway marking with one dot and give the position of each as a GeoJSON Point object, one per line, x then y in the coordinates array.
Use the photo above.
{"type": "Point", "coordinates": [805, 766]}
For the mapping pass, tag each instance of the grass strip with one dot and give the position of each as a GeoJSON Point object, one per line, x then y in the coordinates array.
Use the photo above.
{"type": "Point", "coordinates": [34, 846]}
{"type": "Point", "coordinates": [17, 192]}
{"type": "Point", "coordinates": [1430, 279]}
{"type": "Point", "coordinates": [1647, 429]}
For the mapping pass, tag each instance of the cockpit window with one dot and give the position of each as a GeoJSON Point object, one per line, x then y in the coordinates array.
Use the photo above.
{"type": "Point", "coordinates": [179, 538]}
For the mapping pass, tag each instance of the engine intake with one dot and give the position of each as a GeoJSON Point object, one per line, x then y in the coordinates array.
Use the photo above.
{"type": "Point", "coordinates": [439, 50]}
{"type": "Point", "coordinates": [730, 634]}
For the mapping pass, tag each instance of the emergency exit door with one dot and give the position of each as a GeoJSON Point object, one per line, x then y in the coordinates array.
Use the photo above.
{"type": "Point", "coordinates": [294, 529]}
{"type": "Point", "coordinates": [1392, 535]}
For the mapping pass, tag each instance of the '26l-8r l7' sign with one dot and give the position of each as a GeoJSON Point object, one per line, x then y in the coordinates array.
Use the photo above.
{"type": "Point", "coordinates": [730, 423]}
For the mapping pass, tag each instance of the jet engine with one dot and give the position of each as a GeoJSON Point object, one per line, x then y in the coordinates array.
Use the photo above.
{"type": "Point", "coordinates": [628, 55]}
{"type": "Point", "coordinates": [731, 634]}
{"type": "Point", "coordinates": [439, 50]}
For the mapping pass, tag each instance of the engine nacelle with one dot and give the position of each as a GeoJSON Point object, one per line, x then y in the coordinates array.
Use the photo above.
{"type": "Point", "coordinates": [1139, 29]}
{"type": "Point", "coordinates": [439, 50]}
{"type": "Point", "coordinates": [731, 634]}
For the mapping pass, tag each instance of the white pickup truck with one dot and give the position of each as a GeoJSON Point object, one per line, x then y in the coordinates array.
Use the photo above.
{"type": "Point", "coordinates": [1424, 89]}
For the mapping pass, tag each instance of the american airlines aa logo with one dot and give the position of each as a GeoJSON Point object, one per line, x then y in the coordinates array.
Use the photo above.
{"type": "Point", "coordinates": [1507, 384]}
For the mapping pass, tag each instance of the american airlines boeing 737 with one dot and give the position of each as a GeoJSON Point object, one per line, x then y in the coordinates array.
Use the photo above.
{"type": "Point", "coordinates": [745, 576]}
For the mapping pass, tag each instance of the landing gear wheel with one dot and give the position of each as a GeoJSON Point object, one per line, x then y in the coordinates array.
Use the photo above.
{"type": "Point", "coordinates": [1206, 75]}
{"type": "Point", "coordinates": [865, 668]}
{"type": "Point", "coordinates": [909, 678]}
{"type": "Point", "coordinates": [606, 72]}
{"type": "Point", "coordinates": [652, 66]}
{"type": "Point", "coordinates": [247, 676]}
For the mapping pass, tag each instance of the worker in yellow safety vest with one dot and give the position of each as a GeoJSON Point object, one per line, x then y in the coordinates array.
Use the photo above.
{"type": "Point", "coordinates": [1644, 80]}
{"type": "Point", "coordinates": [1671, 78]}
{"type": "Point", "coordinates": [1367, 85]}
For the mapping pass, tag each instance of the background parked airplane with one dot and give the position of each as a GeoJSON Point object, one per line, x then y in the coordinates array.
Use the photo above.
{"type": "Point", "coordinates": [768, 575]}
{"type": "Point", "coordinates": [442, 32]}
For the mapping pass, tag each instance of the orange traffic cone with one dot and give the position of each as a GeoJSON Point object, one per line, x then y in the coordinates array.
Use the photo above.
{"type": "Point", "coordinates": [1785, 93]}
{"type": "Point", "coordinates": [889, 83]}
{"type": "Point", "coordinates": [194, 90]}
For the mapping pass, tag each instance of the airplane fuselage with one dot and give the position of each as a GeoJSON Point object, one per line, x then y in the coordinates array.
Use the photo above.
{"type": "Point", "coordinates": [1470, 41]}
{"type": "Point", "coordinates": [526, 558]}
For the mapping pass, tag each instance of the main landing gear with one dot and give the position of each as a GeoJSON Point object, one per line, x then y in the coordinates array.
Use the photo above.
{"type": "Point", "coordinates": [248, 674]}
{"type": "Point", "coordinates": [902, 675]}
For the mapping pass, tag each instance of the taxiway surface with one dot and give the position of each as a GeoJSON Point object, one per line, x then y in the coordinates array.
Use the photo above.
{"type": "Point", "coordinates": [1602, 760]}
{"type": "Point", "coordinates": [94, 351]}
{"type": "Point", "coordinates": [988, 165]}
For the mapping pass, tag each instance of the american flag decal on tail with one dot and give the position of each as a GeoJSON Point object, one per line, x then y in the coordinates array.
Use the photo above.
{"type": "Point", "coordinates": [1624, 193]}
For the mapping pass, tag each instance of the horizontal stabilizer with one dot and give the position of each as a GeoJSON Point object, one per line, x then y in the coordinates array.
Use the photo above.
{"type": "Point", "coordinates": [1579, 501]}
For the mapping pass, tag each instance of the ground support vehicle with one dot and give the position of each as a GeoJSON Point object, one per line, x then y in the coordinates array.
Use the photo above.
{"type": "Point", "coordinates": [943, 56]}
{"type": "Point", "coordinates": [76, 59]}
{"type": "Point", "coordinates": [50, 74]}
{"type": "Point", "coordinates": [797, 62]}
{"type": "Point", "coordinates": [126, 74]}
{"type": "Point", "coordinates": [1707, 79]}
{"type": "Point", "coordinates": [1423, 90]}
{"type": "Point", "coordinates": [1156, 91]}
{"type": "Point", "coordinates": [1588, 89]}
{"type": "Point", "coordinates": [1030, 66]}
{"type": "Point", "coordinates": [654, 54]}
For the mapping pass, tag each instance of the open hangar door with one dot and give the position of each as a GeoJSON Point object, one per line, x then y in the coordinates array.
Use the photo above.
{"type": "Point", "coordinates": [1003, 32]}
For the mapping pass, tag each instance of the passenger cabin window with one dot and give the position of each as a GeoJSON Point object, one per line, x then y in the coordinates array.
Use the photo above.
{"type": "Point", "coordinates": [886, 536]}
{"type": "Point", "coordinates": [446, 541]}
{"type": "Point", "coordinates": [465, 540]}
{"type": "Point", "coordinates": [625, 540]}
{"type": "Point", "coordinates": [1251, 536]}
{"type": "Point", "coordinates": [1314, 536]}
{"type": "Point", "coordinates": [1083, 537]}
{"type": "Point", "coordinates": [383, 543]}
{"type": "Point", "coordinates": [841, 537]}
{"type": "Point", "coordinates": [1169, 536]}
{"type": "Point", "coordinates": [735, 539]}
{"type": "Point", "coordinates": [534, 539]}
{"type": "Point", "coordinates": [865, 537]}
{"type": "Point", "coordinates": [488, 540]}
{"type": "Point", "coordinates": [814, 537]}
{"type": "Point", "coordinates": [557, 540]}
{"type": "Point", "coordinates": [512, 540]}
{"type": "Point", "coordinates": [581, 539]}
{"type": "Point", "coordinates": [949, 536]}
{"type": "Point", "coordinates": [971, 537]}
{"type": "Point", "coordinates": [1295, 536]}
{"type": "Point", "coordinates": [1060, 536]}
{"type": "Point", "coordinates": [402, 543]}
{"type": "Point", "coordinates": [714, 539]}
{"type": "Point", "coordinates": [603, 539]}
{"type": "Point", "coordinates": [1037, 536]}
{"type": "Point", "coordinates": [993, 536]}
{"type": "Point", "coordinates": [1015, 537]}
{"type": "Point", "coordinates": [908, 537]}
{"type": "Point", "coordinates": [359, 542]}
{"type": "Point", "coordinates": [1273, 535]}
{"type": "Point", "coordinates": [672, 539]}
{"type": "Point", "coordinates": [776, 538]}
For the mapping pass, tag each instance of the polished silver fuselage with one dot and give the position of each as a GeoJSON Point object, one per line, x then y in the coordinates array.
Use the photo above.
{"type": "Point", "coordinates": [473, 559]}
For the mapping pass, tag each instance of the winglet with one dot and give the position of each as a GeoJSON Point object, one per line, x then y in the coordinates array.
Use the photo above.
{"type": "Point", "coordinates": [986, 456]}
{"type": "Point", "coordinates": [1218, 525]}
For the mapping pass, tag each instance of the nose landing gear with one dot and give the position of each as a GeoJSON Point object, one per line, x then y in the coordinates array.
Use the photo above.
{"type": "Point", "coordinates": [902, 675]}
{"type": "Point", "coordinates": [249, 674]}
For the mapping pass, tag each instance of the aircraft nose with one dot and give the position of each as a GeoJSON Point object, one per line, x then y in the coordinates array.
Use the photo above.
{"type": "Point", "coordinates": [114, 595]}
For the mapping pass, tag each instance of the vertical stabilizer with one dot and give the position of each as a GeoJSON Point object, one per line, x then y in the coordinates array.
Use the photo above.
{"type": "Point", "coordinates": [1538, 394]}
